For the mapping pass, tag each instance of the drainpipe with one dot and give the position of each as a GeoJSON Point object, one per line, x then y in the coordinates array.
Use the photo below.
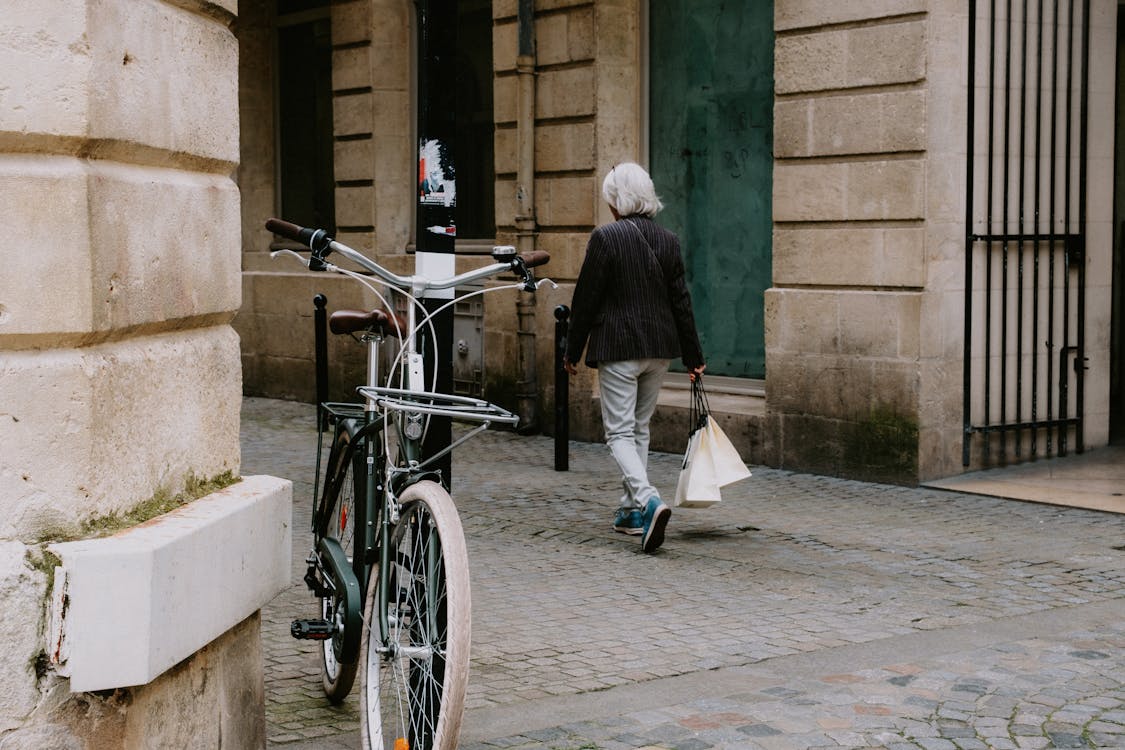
{"type": "Point", "coordinates": [527, 390]}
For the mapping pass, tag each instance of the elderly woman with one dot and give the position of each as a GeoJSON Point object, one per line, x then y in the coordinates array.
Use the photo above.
{"type": "Point", "coordinates": [632, 314]}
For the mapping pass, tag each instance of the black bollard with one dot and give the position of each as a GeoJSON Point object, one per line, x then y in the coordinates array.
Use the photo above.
{"type": "Point", "coordinates": [562, 391]}
{"type": "Point", "coordinates": [320, 329]}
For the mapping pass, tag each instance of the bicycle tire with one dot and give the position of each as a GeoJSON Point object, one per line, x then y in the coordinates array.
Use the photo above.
{"type": "Point", "coordinates": [419, 698]}
{"type": "Point", "coordinates": [338, 676]}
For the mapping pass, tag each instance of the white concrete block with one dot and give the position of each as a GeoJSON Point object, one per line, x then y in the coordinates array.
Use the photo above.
{"type": "Point", "coordinates": [141, 601]}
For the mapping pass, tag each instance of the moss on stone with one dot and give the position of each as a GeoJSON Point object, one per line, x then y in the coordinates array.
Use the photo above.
{"type": "Point", "coordinates": [882, 446]}
{"type": "Point", "coordinates": [162, 501]}
{"type": "Point", "coordinates": [44, 560]}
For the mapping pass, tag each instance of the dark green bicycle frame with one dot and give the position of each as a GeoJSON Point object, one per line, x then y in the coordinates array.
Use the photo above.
{"type": "Point", "coordinates": [352, 576]}
{"type": "Point", "coordinates": [377, 505]}
{"type": "Point", "coordinates": [373, 524]}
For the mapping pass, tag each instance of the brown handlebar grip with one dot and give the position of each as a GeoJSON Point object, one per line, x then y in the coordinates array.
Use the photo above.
{"type": "Point", "coordinates": [535, 258]}
{"type": "Point", "coordinates": [316, 239]}
{"type": "Point", "coordinates": [285, 229]}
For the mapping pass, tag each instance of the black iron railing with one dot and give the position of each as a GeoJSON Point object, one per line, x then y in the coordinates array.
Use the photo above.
{"type": "Point", "coordinates": [1025, 220]}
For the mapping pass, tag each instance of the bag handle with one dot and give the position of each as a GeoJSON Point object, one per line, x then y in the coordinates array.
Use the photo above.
{"type": "Point", "coordinates": [700, 409]}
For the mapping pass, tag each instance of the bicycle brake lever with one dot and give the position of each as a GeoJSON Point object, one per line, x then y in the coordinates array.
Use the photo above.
{"type": "Point", "coordinates": [528, 275]}
{"type": "Point", "coordinates": [299, 257]}
{"type": "Point", "coordinates": [313, 262]}
{"type": "Point", "coordinates": [321, 245]}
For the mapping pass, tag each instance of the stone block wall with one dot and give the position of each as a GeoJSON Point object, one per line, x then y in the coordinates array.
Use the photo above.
{"type": "Point", "coordinates": [869, 194]}
{"type": "Point", "coordinates": [865, 316]}
{"type": "Point", "coordinates": [126, 214]}
{"type": "Point", "coordinates": [843, 317]}
{"type": "Point", "coordinates": [941, 336]}
{"type": "Point", "coordinates": [587, 82]}
{"type": "Point", "coordinates": [587, 92]}
{"type": "Point", "coordinates": [374, 162]}
{"type": "Point", "coordinates": [119, 371]}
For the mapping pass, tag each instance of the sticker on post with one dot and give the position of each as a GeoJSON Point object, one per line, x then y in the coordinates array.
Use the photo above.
{"type": "Point", "coordinates": [437, 184]}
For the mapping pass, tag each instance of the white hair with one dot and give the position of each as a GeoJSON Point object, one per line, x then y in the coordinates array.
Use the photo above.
{"type": "Point", "coordinates": [630, 191]}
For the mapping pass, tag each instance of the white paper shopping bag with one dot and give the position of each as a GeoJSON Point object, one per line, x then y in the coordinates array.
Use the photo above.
{"type": "Point", "coordinates": [728, 465]}
{"type": "Point", "coordinates": [697, 487]}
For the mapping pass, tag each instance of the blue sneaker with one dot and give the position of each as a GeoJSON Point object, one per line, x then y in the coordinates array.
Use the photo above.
{"type": "Point", "coordinates": [628, 521]}
{"type": "Point", "coordinates": [656, 517]}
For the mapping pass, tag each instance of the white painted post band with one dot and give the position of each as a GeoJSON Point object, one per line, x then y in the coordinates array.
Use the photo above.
{"type": "Point", "coordinates": [436, 266]}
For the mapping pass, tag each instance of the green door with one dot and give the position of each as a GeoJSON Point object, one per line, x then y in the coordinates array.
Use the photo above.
{"type": "Point", "coordinates": [711, 156]}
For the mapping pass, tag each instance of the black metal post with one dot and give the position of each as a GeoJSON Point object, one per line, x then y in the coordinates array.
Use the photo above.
{"type": "Point", "coordinates": [1080, 373]}
{"type": "Point", "coordinates": [1050, 331]}
{"type": "Point", "coordinates": [1022, 227]}
{"type": "Point", "coordinates": [1064, 380]}
{"type": "Point", "coordinates": [436, 227]}
{"type": "Point", "coordinates": [562, 391]}
{"type": "Point", "coordinates": [970, 140]}
{"type": "Point", "coordinates": [989, 228]}
{"type": "Point", "coordinates": [1036, 249]}
{"type": "Point", "coordinates": [320, 348]}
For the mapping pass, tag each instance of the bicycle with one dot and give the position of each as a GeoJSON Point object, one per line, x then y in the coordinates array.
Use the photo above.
{"type": "Point", "coordinates": [389, 562]}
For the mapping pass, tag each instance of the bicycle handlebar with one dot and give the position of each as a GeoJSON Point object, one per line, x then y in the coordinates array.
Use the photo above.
{"type": "Point", "coordinates": [314, 239]}
{"type": "Point", "coordinates": [322, 245]}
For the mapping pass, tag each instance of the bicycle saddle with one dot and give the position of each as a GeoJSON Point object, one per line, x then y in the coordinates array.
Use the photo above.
{"type": "Point", "coordinates": [354, 321]}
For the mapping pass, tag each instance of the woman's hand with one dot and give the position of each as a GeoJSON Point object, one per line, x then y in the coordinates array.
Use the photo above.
{"type": "Point", "coordinates": [571, 369]}
{"type": "Point", "coordinates": [696, 372]}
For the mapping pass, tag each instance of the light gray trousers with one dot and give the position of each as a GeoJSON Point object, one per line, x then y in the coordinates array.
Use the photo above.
{"type": "Point", "coordinates": [629, 390]}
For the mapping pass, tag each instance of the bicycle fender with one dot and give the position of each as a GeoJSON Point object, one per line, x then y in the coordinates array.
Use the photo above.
{"type": "Point", "coordinates": [332, 554]}
{"type": "Point", "coordinates": [409, 480]}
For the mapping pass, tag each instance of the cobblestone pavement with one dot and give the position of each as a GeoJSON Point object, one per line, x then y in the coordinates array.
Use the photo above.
{"type": "Point", "coordinates": [803, 612]}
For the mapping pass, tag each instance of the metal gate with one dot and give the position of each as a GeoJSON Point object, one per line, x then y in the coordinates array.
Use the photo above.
{"type": "Point", "coordinates": [1025, 229]}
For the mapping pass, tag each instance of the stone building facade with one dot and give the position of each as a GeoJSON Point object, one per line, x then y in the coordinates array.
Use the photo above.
{"type": "Point", "coordinates": [120, 385]}
{"type": "Point", "coordinates": [824, 220]}
{"type": "Point", "coordinates": [861, 310]}
{"type": "Point", "coordinates": [817, 158]}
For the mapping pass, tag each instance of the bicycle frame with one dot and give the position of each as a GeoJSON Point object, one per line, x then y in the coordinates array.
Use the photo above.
{"type": "Point", "coordinates": [376, 519]}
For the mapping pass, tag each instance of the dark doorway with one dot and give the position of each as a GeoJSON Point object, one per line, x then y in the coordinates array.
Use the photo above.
{"type": "Point", "coordinates": [307, 187]}
{"type": "Point", "coordinates": [473, 148]}
{"type": "Point", "coordinates": [711, 146]}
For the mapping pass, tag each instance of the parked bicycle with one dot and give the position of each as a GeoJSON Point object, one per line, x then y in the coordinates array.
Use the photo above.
{"type": "Point", "coordinates": [389, 562]}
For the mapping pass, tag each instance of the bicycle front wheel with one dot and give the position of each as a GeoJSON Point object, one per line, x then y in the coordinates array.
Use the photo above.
{"type": "Point", "coordinates": [413, 694]}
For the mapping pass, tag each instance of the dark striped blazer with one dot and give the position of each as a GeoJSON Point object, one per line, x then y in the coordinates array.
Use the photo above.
{"type": "Point", "coordinates": [631, 302]}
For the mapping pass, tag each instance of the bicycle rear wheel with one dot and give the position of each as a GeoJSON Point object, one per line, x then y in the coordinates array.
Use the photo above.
{"type": "Point", "coordinates": [413, 693]}
{"type": "Point", "coordinates": [338, 676]}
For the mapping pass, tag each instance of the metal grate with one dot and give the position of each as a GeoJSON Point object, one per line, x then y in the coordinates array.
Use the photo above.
{"type": "Point", "coordinates": [1025, 229]}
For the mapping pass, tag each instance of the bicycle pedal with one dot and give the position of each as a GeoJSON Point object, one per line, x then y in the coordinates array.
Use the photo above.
{"type": "Point", "coordinates": [312, 630]}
